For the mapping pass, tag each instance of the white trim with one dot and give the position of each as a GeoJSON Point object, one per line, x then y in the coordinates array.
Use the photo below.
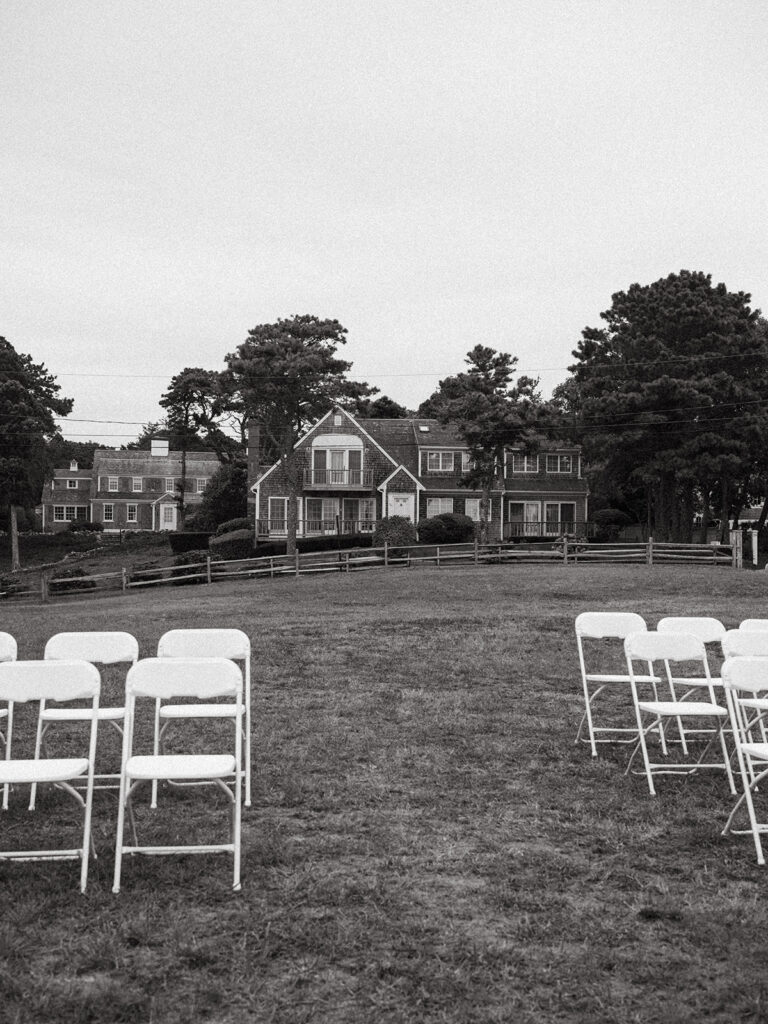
{"type": "Point", "coordinates": [419, 485]}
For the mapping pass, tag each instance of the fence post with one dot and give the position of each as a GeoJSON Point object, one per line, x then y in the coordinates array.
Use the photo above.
{"type": "Point", "coordinates": [296, 561]}
{"type": "Point", "coordinates": [386, 554]}
{"type": "Point", "coordinates": [476, 554]}
{"type": "Point", "coordinates": [125, 580]}
{"type": "Point", "coordinates": [649, 551]}
{"type": "Point", "coordinates": [438, 555]}
{"type": "Point", "coordinates": [271, 567]}
{"type": "Point", "coordinates": [753, 534]}
{"type": "Point", "coordinates": [207, 568]}
{"type": "Point", "coordinates": [565, 550]}
{"type": "Point", "coordinates": [43, 588]}
{"type": "Point", "coordinates": [346, 561]}
{"type": "Point", "coordinates": [737, 556]}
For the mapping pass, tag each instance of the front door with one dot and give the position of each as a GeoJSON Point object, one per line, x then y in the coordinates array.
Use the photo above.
{"type": "Point", "coordinates": [402, 505]}
{"type": "Point", "coordinates": [168, 517]}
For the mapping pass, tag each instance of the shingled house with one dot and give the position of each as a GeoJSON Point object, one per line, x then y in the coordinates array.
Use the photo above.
{"type": "Point", "coordinates": [127, 490]}
{"type": "Point", "coordinates": [356, 471]}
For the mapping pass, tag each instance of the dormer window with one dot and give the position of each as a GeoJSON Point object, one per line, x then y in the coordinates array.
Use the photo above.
{"type": "Point", "coordinates": [525, 463]}
{"type": "Point", "coordinates": [73, 466]}
{"type": "Point", "coordinates": [439, 462]}
{"type": "Point", "coordinates": [71, 485]}
{"type": "Point", "coordinates": [559, 464]}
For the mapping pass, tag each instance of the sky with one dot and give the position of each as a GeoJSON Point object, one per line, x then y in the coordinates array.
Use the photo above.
{"type": "Point", "coordinates": [432, 173]}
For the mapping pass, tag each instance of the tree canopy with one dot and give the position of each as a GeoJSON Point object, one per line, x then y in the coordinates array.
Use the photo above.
{"type": "Point", "coordinates": [29, 403]}
{"type": "Point", "coordinates": [287, 374]}
{"type": "Point", "coordinates": [491, 412]}
{"type": "Point", "coordinates": [670, 397]}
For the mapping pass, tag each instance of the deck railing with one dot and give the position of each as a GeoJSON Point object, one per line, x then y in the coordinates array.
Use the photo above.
{"type": "Point", "coordinates": [350, 478]}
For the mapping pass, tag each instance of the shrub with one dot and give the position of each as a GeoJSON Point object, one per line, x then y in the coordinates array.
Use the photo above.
{"type": "Point", "coordinates": [67, 580]}
{"type": "Point", "coordinates": [234, 524]}
{"type": "Point", "coordinates": [188, 541]}
{"type": "Point", "coordinates": [10, 585]}
{"type": "Point", "coordinates": [82, 526]}
{"type": "Point", "coordinates": [447, 528]}
{"type": "Point", "coordinates": [234, 544]}
{"type": "Point", "coordinates": [394, 530]}
{"type": "Point", "coordinates": [191, 558]}
{"type": "Point", "coordinates": [331, 542]}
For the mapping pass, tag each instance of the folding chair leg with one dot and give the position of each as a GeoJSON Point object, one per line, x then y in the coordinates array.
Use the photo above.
{"type": "Point", "coordinates": [155, 751]}
{"type": "Point", "coordinates": [247, 752]}
{"type": "Point", "coordinates": [38, 750]}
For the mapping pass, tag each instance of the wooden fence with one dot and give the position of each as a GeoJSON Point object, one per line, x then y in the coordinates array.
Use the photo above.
{"type": "Point", "coordinates": [566, 552]}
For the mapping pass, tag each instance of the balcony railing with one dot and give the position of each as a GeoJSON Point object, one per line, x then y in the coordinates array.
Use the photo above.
{"type": "Point", "coordinates": [338, 478]}
{"type": "Point", "coordinates": [551, 528]}
{"type": "Point", "coordinates": [316, 527]}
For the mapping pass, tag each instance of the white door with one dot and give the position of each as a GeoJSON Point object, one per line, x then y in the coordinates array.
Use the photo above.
{"type": "Point", "coordinates": [532, 517]}
{"type": "Point", "coordinates": [402, 505]}
{"type": "Point", "coordinates": [168, 517]}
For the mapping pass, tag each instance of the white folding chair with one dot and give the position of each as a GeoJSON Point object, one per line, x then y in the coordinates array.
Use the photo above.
{"type": "Point", "coordinates": [710, 631]}
{"type": "Point", "coordinates": [24, 681]}
{"type": "Point", "coordinates": [743, 643]}
{"type": "Point", "coordinates": [165, 679]}
{"type": "Point", "coordinates": [206, 643]}
{"type": "Point", "coordinates": [608, 627]}
{"type": "Point", "coordinates": [99, 648]}
{"type": "Point", "coordinates": [668, 649]}
{"type": "Point", "coordinates": [8, 652]}
{"type": "Point", "coordinates": [746, 685]}
{"type": "Point", "coordinates": [754, 625]}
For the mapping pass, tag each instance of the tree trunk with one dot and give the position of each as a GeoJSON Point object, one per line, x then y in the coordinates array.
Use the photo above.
{"type": "Point", "coordinates": [485, 509]}
{"type": "Point", "coordinates": [15, 560]}
{"type": "Point", "coordinates": [724, 509]}
{"type": "Point", "coordinates": [706, 515]}
{"type": "Point", "coordinates": [292, 478]}
{"type": "Point", "coordinates": [182, 502]}
{"type": "Point", "coordinates": [686, 511]}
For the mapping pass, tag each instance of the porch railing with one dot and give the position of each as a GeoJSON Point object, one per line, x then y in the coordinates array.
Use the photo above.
{"type": "Point", "coordinates": [316, 527]}
{"type": "Point", "coordinates": [338, 477]}
{"type": "Point", "coordinates": [548, 528]}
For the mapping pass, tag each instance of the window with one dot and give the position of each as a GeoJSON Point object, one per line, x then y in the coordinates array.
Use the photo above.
{"type": "Point", "coordinates": [132, 514]}
{"type": "Point", "coordinates": [472, 509]}
{"type": "Point", "coordinates": [466, 462]}
{"type": "Point", "coordinates": [109, 513]}
{"type": "Point", "coordinates": [560, 517]}
{"type": "Point", "coordinates": [440, 462]}
{"type": "Point", "coordinates": [439, 506]}
{"type": "Point", "coordinates": [358, 515]}
{"type": "Point", "coordinates": [169, 515]}
{"type": "Point", "coordinates": [337, 466]}
{"type": "Point", "coordinates": [170, 484]}
{"type": "Point", "coordinates": [112, 483]}
{"type": "Point", "coordinates": [71, 485]}
{"type": "Point", "coordinates": [137, 483]}
{"type": "Point", "coordinates": [337, 419]}
{"type": "Point", "coordinates": [525, 463]}
{"type": "Point", "coordinates": [200, 485]}
{"type": "Point", "coordinates": [278, 515]}
{"type": "Point", "coordinates": [69, 513]}
{"type": "Point", "coordinates": [559, 464]}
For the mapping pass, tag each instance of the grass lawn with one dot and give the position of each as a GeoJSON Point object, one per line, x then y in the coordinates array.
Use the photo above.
{"type": "Point", "coordinates": [426, 842]}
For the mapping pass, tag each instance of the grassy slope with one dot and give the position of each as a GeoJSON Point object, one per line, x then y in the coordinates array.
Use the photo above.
{"type": "Point", "coordinates": [426, 842]}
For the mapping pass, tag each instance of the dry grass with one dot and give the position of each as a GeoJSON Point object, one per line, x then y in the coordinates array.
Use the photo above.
{"type": "Point", "coordinates": [426, 843]}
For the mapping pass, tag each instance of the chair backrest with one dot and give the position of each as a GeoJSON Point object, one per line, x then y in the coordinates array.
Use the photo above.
{"type": "Point", "coordinates": [609, 625]}
{"type": "Point", "coordinates": [706, 629]}
{"type": "Point", "coordinates": [652, 646]}
{"type": "Point", "coordinates": [8, 647]}
{"type": "Point", "coordinates": [745, 675]}
{"type": "Point", "coordinates": [22, 681]}
{"type": "Point", "coordinates": [204, 643]}
{"type": "Point", "coordinates": [166, 678]}
{"type": "Point", "coordinates": [107, 648]}
{"type": "Point", "coordinates": [754, 624]}
{"type": "Point", "coordinates": [739, 643]}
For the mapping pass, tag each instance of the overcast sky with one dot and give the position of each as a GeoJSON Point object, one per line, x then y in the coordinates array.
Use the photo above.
{"type": "Point", "coordinates": [432, 173]}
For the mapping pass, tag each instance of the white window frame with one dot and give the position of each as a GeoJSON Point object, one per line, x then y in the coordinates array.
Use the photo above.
{"type": "Point", "coordinates": [168, 516]}
{"type": "Point", "coordinates": [108, 513]}
{"type": "Point", "coordinates": [200, 485]}
{"type": "Point", "coordinates": [441, 506]}
{"type": "Point", "coordinates": [466, 462]}
{"type": "Point", "coordinates": [72, 485]}
{"type": "Point", "coordinates": [440, 462]}
{"type": "Point", "coordinates": [131, 513]}
{"type": "Point", "coordinates": [170, 484]}
{"type": "Point", "coordinates": [58, 514]}
{"type": "Point", "coordinates": [559, 506]}
{"type": "Point", "coordinates": [68, 514]}
{"type": "Point", "coordinates": [559, 464]}
{"type": "Point", "coordinates": [113, 483]}
{"type": "Point", "coordinates": [137, 484]}
{"type": "Point", "coordinates": [524, 463]}
{"type": "Point", "coordinates": [277, 531]}
{"type": "Point", "coordinates": [474, 515]}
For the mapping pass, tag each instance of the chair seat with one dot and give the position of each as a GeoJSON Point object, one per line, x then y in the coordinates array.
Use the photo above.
{"type": "Point", "coordinates": [758, 751]}
{"type": "Point", "coordinates": [677, 708]}
{"type": "Point", "coordinates": [622, 679]}
{"type": "Point", "coordinates": [47, 770]}
{"type": "Point", "coordinates": [81, 714]}
{"type": "Point", "coordinates": [201, 710]}
{"type": "Point", "coordinates": [180, 766]}
{"type": "Point", "coordinates": [700, 681]}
